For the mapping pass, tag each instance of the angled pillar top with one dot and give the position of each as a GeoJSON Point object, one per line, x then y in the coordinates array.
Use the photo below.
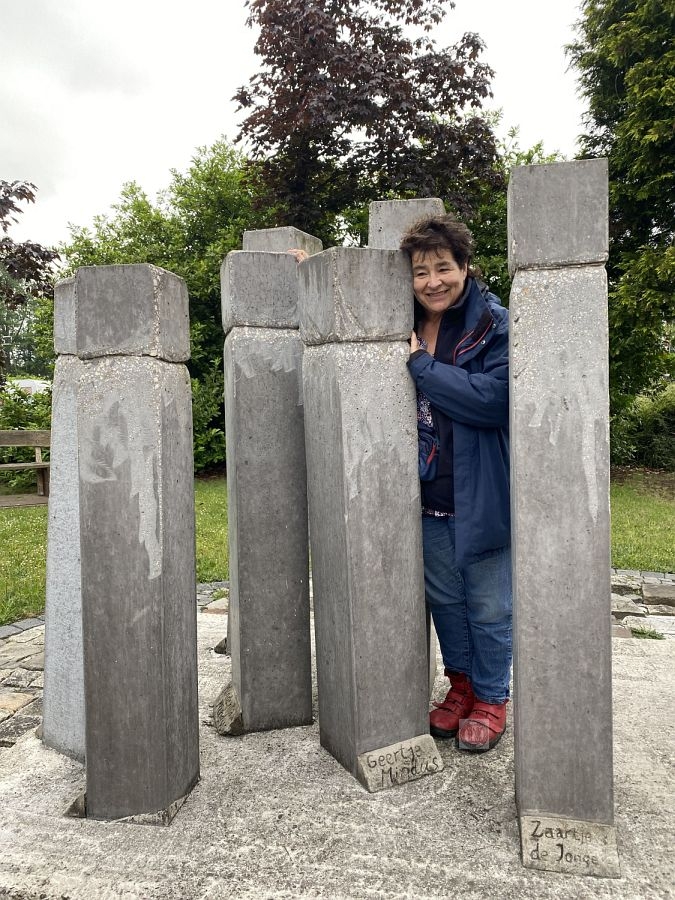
{"type": "Point", "coordinates": [129, 310]}
{"type": "Point", "coordinates": [390, 219]}
{"type": "Point", "coordinates": [355, 294]}
{"type": "Point", "coordinates": [557, 215]}
{"type": "Point", "coordinates": [279, 240]}
{"type": "Point", "coordinates": [259, 289]}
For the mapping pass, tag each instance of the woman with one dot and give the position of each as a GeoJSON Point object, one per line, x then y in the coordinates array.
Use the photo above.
{"type": "Point", "coordinates": [459, 363]}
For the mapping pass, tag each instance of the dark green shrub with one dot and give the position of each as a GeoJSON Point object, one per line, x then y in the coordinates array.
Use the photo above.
{"type": "Point", "coordinates": [207, 400]}
{"type": "Point", "coordinates": [655, 434]}
{"type": "Point", "coordinates": [623, 427]}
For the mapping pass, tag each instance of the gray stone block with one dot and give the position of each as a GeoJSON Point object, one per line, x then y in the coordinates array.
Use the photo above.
{"type": "Point", "coordinates": [64, 711]}
{"type": "Point", "coordinates": [364, 503]}
{"type": "Point", "coordinates": [279, 240]}
{"type": "Point", "coordinates": [130, 310]}
{"type": "Point", "coordinates": [7, 630]}
{"type": "Point", "coordinates": [259, 289]}
{"type": "Point", "coordinates": [557, 214]}
{"type": "Point", "coordinates": [398, 764]}
{"type": "Point", "coordinates": [561, 540]}
{"type": "Point", "coordinates": [355, 294]}
{"type": "Point", "coordinates": [138, 585]}
{"type": "Point", "coordinates": [65, 329]}
{"type": "Point", "coordinates": [268, 627]}
{"type": "Point", "coordinates": [390, 219]}
{"type": "Point", "coordinates": [572, 847]}
{"type": "Point", "coordinates": [659, 593]}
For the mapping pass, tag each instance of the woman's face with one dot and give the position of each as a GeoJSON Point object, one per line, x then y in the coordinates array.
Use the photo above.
{"type": "Point", "coordinates": [438, 282]}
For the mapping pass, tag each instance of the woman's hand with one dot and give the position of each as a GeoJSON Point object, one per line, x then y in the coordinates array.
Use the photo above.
{"type": "Point", "coordinates": [300, 255]}
{"type": "Point", "coordinates": [414, 343]}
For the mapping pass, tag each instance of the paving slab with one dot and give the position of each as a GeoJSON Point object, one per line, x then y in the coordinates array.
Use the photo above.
{"type": "Point", "coordinates": [275, 816]}
{"type": "Point", "coordinates": [662, 593]}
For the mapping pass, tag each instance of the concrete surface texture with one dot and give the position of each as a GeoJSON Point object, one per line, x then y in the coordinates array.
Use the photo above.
{"type": "Point", "coordinates": [259, 289]}
{"type": "Point", "coordinates": [64, 711]}
{"type": "Point", "coordinates": [389, 219]}
{"type": "Point", "coordinates": [560, 505]}
{"type": "Point", "coordinates": [557, 214]}
{"type": "Point", "coordinates": [275, 816]}
{"type": "Point", "coordinates": [131, 309]}
{"type": "Point", "coordinates": [355, 294]}
{"type": "Point", "coordinates": [278, 240]}
{"type": "Point", "coordinates": [269, 638]}
{"type": "Point", "coordinates": [138, 585]}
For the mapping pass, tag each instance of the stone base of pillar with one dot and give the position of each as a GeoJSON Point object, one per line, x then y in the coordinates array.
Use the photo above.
{"type": "Point", "coordinates": [570, 846]}
{"type": "Point", "coordinates": [227, 714]}
{"type": "Point", "coordinates": [78, 810]}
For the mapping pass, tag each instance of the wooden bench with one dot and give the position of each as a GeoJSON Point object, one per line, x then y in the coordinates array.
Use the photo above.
{"type": "Point", "coordinates": [37, 440]}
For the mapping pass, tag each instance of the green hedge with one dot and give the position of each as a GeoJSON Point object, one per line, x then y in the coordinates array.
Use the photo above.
{"type": "Point", "coordinates": [644, 433]}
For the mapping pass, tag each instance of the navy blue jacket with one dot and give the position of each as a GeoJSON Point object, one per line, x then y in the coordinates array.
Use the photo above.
{"type": "Point", "coordinates": [468, 388]}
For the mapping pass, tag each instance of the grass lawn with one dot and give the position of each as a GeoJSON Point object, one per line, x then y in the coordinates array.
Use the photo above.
{"type": "Point", "coordinates": [643, 530]}
{"type": "Point", "coordinates": [643, 520]}
{"type": "Point", "coordinates": [23, 539]}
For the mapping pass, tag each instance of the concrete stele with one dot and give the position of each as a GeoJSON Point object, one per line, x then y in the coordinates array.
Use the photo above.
{"type": "Point", "coordinates": [355, 294]}
{"type": "Point", "coordinates": [63, 701]}
{"type": "Point", "coordinates": [560, 508]}
{"type": "Point", "coordinates": [129, 310]}
{"type": "Point", "coordinates": [389, 219]}
{"type": "Point", "coordinates": [269, 615]}
{"type": "Point", "coordinates": [137, 543]}
{"type": "Point", "coordinates": [361, 438]}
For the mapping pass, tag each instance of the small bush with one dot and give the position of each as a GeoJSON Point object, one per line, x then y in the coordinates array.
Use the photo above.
{"type": "Point", "coordinates": [19, 410]}
{"type": "Point", "coordinates": [642, 433]}
{"type": "Point", "coordinates": [655, 434]}
{"type": "Point", "coordinates": [623, 427]}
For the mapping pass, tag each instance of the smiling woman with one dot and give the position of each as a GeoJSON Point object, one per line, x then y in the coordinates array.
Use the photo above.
{"type": "Point", "coordinates": [459, 362]}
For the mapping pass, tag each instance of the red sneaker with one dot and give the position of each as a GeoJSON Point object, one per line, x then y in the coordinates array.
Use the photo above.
{"type": "Point", "coordinates": [444, 720]}
{"type": "Point", "coordinates": [483, 728]}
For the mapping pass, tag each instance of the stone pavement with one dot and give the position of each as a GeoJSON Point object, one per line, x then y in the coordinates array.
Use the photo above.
{"type": "Point", "coordinates": [22, 644]}
{"type": "Point", "coordinates": [275, 816]}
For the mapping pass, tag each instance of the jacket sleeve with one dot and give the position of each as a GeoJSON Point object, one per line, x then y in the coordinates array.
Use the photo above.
{"type": "Point", "coordinates": [479, 399]}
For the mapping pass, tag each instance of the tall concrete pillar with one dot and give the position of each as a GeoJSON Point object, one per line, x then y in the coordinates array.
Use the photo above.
{"type": "Point", "coordinates": [364, 507]}
{"type": "Point", "coordinates": [63, 700]}
{"type": "Point", "coordinates": [558, 238]}
{"type": "Point", "coordinates": [137, 542]}
{"type": "Point", "coordinates": [388, 220]}
{"type": "Point", "coordinates": [269, 623]}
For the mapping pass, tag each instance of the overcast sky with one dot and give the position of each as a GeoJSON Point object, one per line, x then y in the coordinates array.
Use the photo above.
{"type": "Point", "coordinates": [94, 93]}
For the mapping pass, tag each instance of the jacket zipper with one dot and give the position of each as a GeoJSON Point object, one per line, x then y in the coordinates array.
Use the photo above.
{"type": "Point", "coordinates": [471, 346]}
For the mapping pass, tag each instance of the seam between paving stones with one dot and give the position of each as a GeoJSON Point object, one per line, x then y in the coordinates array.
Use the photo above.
{"type": "Point", "coordinates": [204, 597]}
{"type": "Point", "coordinates": [37, 621]}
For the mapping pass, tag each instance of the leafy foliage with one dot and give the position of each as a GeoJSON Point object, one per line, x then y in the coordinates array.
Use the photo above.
{"type": "Point", "coordinates": [25, 268]}
{"type": "Point", "coordinates": [192, 226]}
{"type": "Point", "coordinates": [625, 56]}
{"type": "Point", "coordinates": [351, 106]}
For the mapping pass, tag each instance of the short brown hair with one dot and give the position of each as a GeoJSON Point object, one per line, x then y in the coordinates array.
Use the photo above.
{"type": "Point", "coordinates": [440, 233]}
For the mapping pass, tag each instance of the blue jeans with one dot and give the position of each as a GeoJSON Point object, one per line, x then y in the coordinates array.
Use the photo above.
{"type": "Point", "coordinates": [471, 608]}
